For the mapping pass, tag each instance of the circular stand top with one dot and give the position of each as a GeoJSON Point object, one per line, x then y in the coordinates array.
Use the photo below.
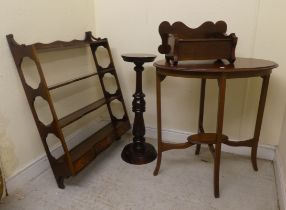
{"type": "Point", "coordinates": [138, 57]}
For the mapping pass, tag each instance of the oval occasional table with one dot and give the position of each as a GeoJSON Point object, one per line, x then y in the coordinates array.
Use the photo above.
{"type": "Point", "coordinates": [221, 71]}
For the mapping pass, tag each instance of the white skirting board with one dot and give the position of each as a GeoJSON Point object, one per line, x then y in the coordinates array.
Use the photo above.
{"type": "Point", "coordinates": [280, 180]}
{"type": "Point", "coordinates": [39, 165]}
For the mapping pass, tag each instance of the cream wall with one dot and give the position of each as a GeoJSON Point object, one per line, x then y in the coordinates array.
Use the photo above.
{"type": "Point", "coordinates": [270, 43]}
{"type": "Point", "coordinates": [30, 21]}
{"type": "Point", "coordinates": [132, 26]}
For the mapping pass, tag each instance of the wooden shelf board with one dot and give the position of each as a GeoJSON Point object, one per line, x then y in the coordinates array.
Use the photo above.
{"type": "Point", "coordinates": [81, 112]}
{"type": "Point", "coordinates": [87, 150]}
{"type": "Point", "coordinates": [81, 149]}
{"type": "Point", "coordinates": [52, 87]}
{"type": "Point", "coordinates": [55, 86]}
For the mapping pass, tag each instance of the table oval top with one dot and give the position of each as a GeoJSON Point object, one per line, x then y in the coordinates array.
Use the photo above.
{"type": "Point", "coordinates": [241, 66]}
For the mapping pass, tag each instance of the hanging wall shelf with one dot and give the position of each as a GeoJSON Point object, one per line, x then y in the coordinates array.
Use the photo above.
{"type": "Point", "coordinates": [73, 160]}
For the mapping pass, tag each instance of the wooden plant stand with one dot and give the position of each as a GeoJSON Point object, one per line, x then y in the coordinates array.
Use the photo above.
{"type": "Point", "coordinates": [138, 152]}
{"type": "Point", "coordinates": [74, 160]}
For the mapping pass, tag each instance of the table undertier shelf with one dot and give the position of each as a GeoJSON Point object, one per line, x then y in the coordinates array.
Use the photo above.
{"type": "Point", "coordinates": [205, 138]}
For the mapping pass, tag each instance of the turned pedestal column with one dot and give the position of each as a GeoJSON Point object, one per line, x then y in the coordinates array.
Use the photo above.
{"type": "Point", "coordinates": [138, 152]}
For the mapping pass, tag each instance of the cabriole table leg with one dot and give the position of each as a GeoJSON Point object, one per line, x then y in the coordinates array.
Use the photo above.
{"type": "Point", "coordinates": [220, 114]}
{"type": "Point", "coordinates": [258, 123]}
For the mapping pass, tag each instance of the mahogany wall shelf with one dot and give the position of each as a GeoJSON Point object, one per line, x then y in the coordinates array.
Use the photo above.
{"type": "Point", "coordinates": [74, 160]}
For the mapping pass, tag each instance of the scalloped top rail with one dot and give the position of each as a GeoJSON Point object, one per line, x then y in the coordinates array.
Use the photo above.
{"type": "Point", "coordinates": [89, 38]}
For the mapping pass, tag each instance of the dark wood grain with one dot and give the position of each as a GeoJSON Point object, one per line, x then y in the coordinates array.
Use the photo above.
{"type": "Point", "coordinates": [242, 67]}
{"type": "Point", "coordinates": [219, 135]}
{"type": "Point", "coordinates": [81, 112]}
{"type": "Point", "coordinates": [138, 57]}
{"type": "Point", "coordinates": [239, 67]}
{"type": "Point", "coordinates": [205, 138]}
{"type": "Point", "coordinates": [2, 184]}
{"type": "Point", "coordinates": [208, 41]}
{"type": "Point", "coordinates": [159, 124]}
{"type": "Point", "coordinates": [84, 111]}
{"type": "Point", "coordinates": [201, 113]}
{"type": "Point", "coordinates": [63, 45]}
{"type": "Point", "coordinates": [75, 160]}
{"type": "Point", "coordinates": [259, 117]}
{"type": "Point", "coordinates": [52, 87]}
{"type": "Point", "coordinates": [138, 152]}
{"type": "Point", "coordinates": [210, 67]}
{"type": "Point", "coordinates": [85, 152]}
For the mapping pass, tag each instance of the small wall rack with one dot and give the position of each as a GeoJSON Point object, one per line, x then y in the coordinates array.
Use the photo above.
{"type": "Point", "coordinates": [74, 160]}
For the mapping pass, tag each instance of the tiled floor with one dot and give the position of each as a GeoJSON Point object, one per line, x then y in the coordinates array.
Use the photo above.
{"type": "Point", "coordinates": [185, 181]}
